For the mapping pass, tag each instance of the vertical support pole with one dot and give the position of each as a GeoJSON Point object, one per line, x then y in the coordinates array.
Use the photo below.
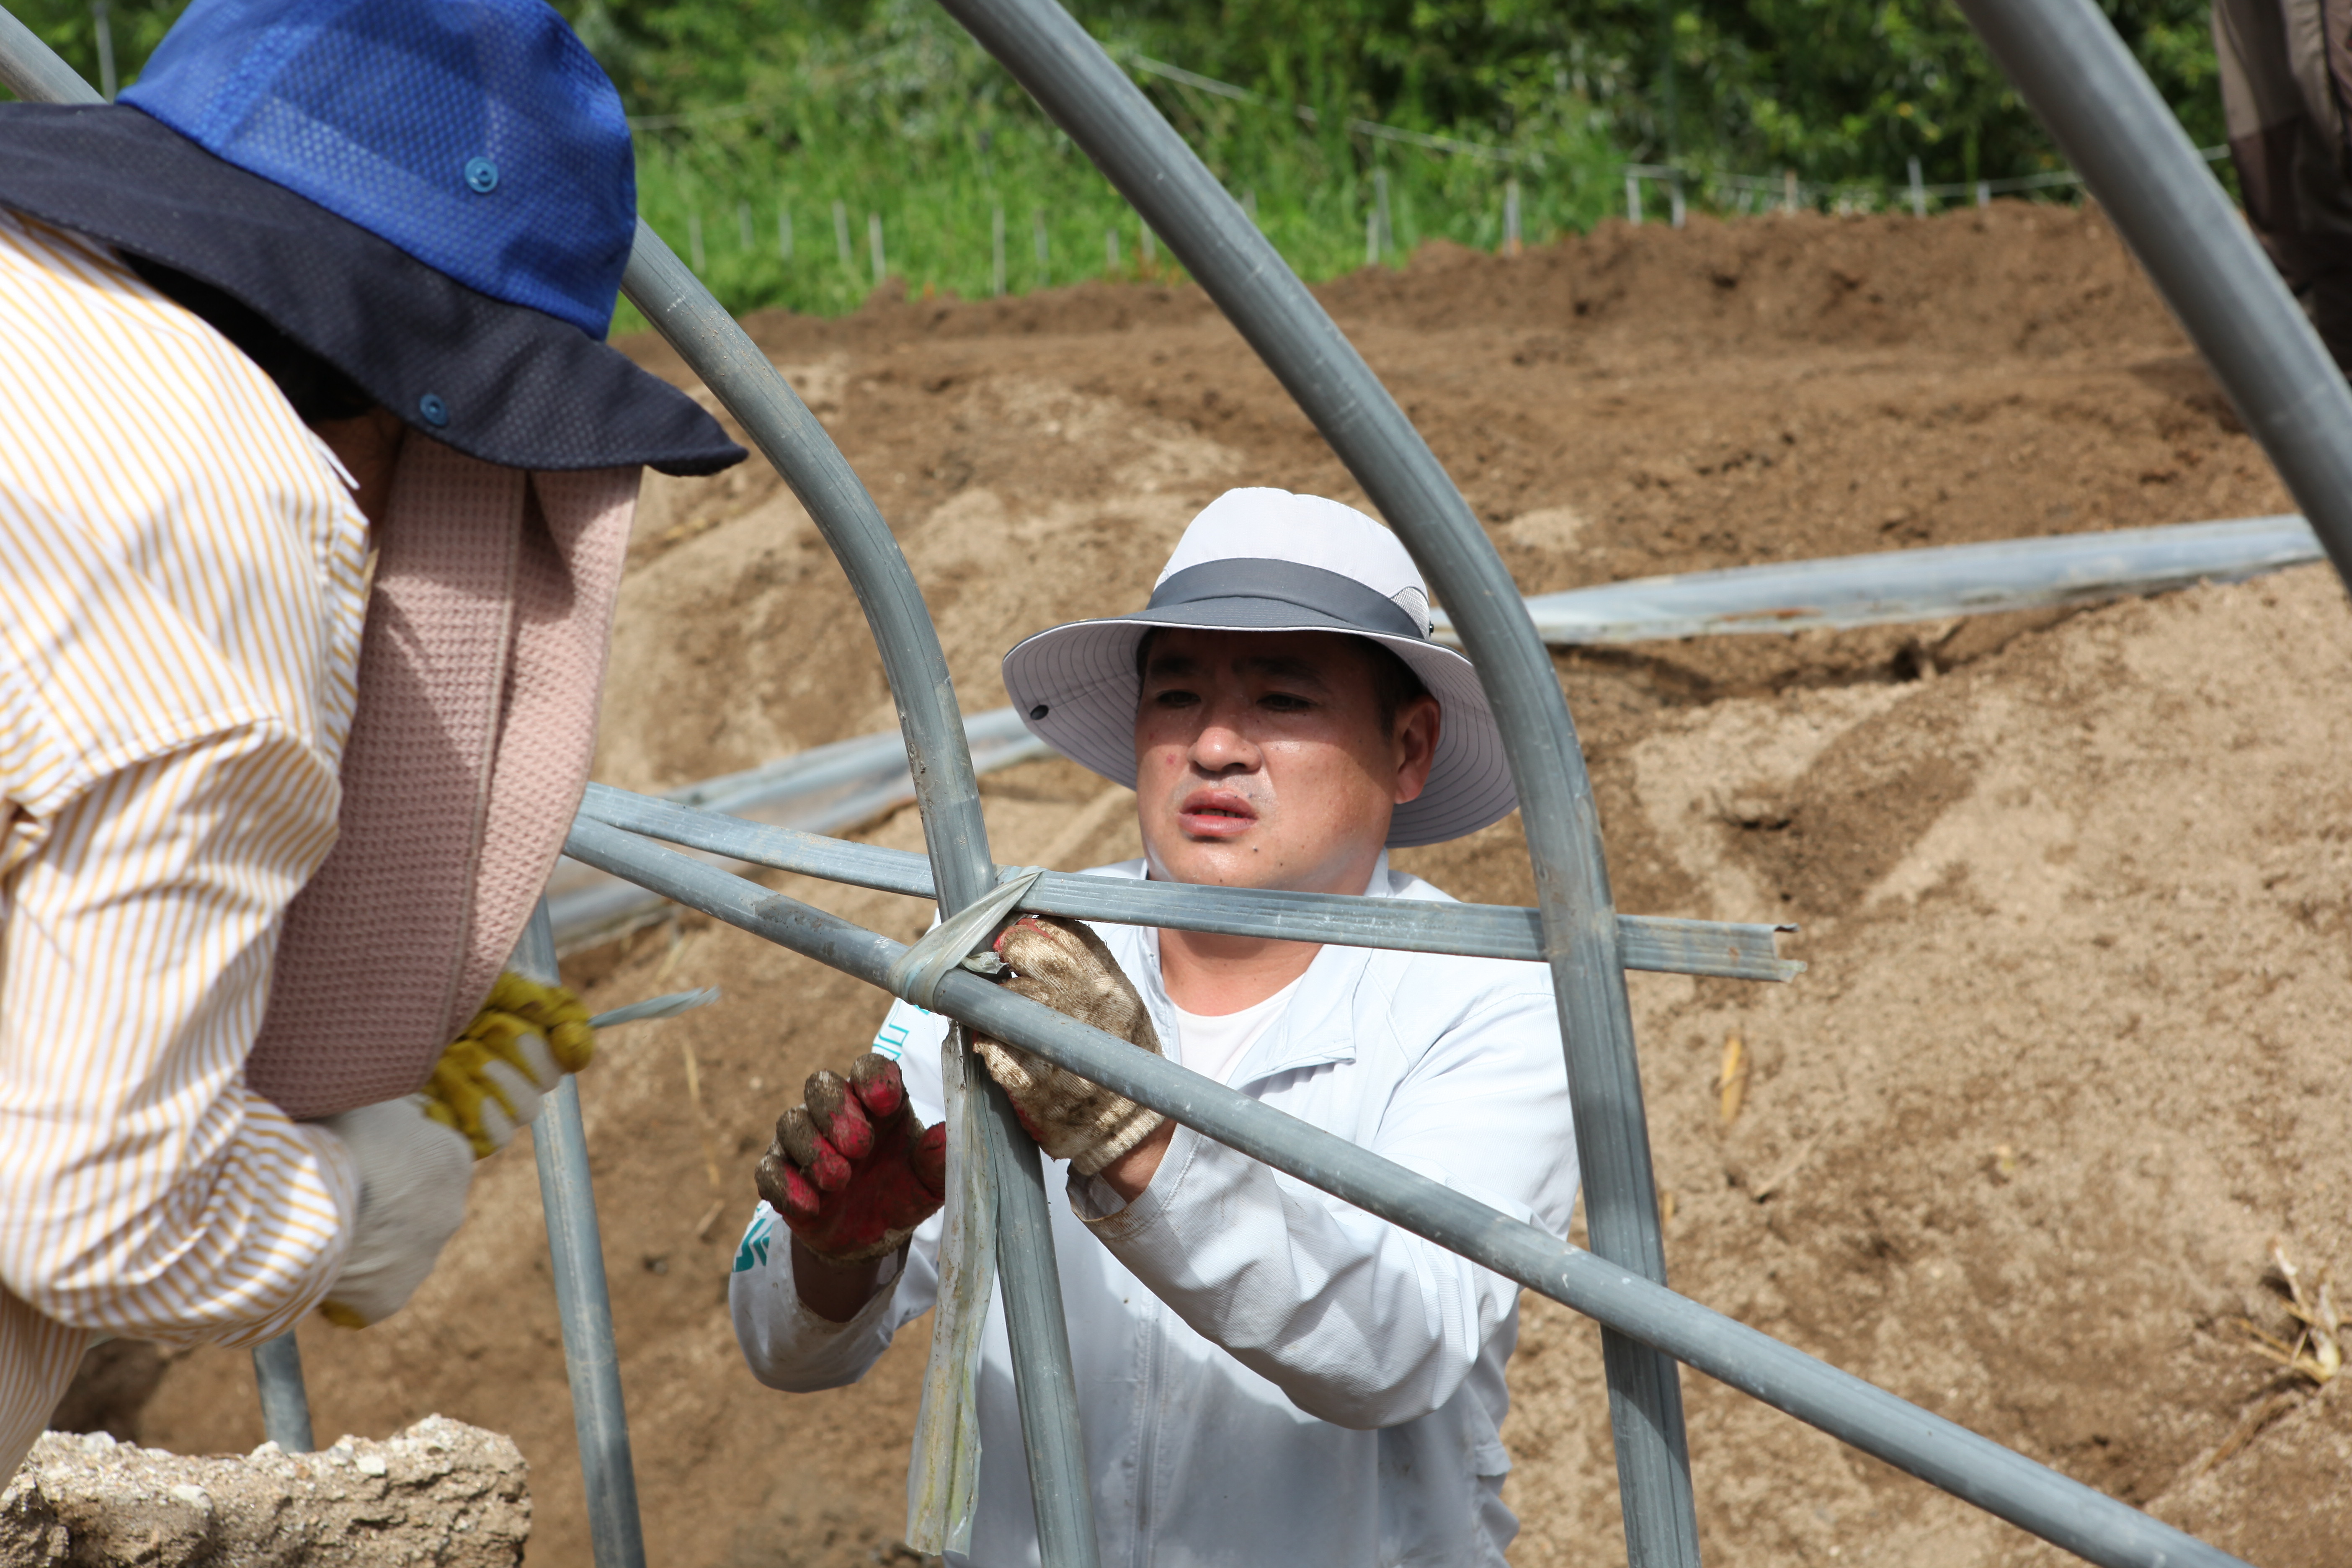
{"type": "Point", "coordinates": [783, 233]}
{"type": "Point", "coordinates": [1511, 217]}
{"type": "Point", "coordinates": [1381, 208]}
{"type": "Point", "coordinates": [873, 244]}
{"type": "Point", "coordinates": [940, 759]}
{"type": "Point", "coordinates": [841, 231]}
{"type": "Point", "coordinates": [576, 1252]}
{"type": "Point", "coordinates": [1632, 198]}
{"type": "Point", "coordinates": [1045, 254]}
{"type": "Point", "coordinates": [1918, 191]}
{"type": "Point", "coordinates": [1676, 211]}
{"type": "Point", "coordinates": [285, 1402]}
{"type": "Point", "coordinates": [101, 17]}
{"type": "Point", "coordinates": [1104, 112]}
{"type": "Point", "coordinates": [996, 252]}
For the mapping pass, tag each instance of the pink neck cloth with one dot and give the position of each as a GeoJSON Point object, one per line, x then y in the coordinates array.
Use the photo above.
{"type": "Point", "coordinates": [480, 671]}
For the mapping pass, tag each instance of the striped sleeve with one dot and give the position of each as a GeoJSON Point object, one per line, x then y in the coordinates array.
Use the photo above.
{"type": "Point", "coordinates": [182, 589]}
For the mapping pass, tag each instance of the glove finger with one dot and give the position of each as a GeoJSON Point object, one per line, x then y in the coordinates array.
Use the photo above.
{"type": "Point", "coordinates": [796, 1136]}
{"type": "Point", "coordinates": [531, 1053]}
{"type": "Point", "coordinates": [849, 1131]}
{"type": "Point", "coordinates": [512, 1093]}
{"type": "Point", "coordinates": [930, 1159]}
{"type": "Point", "coordinates": [496, 1126]}
{"type": "Point", "coordinates": [786, 1190]}
{"type": "Point", "coordinates": [1043, 948]}
{"type": "Point", "coordinates": [875, 1080]}
{"type": "Point", "coordinates": [818, 1160]}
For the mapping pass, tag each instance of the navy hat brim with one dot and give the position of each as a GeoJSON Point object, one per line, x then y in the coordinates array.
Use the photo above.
{"type": "Point", "coordinates": [514, 386]}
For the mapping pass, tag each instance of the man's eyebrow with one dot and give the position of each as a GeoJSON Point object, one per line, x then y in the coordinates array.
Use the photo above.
{"type": "Point", "coordinates": [1284, 666]}
{"type": "Point", "coordinates": [1172, 664]}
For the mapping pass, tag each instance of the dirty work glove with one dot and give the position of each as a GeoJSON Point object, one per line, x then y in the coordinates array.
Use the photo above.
{"type": "Point", "coordinates": [1064, 964]}
{"type": "Point", "coordinates": [413, 1172]}
{"type": "Point", "coordinates": [493, 1077]}
{"type": "Point", "coordinates": [853, 1170]}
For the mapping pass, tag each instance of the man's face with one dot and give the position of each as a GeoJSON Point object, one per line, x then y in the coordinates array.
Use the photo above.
{"type": "Point", "coordinates": [1261, 760]}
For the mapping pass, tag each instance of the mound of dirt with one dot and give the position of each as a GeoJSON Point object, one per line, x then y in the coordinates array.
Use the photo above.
{"type": "Point", "coordinates": [2067, 1060]}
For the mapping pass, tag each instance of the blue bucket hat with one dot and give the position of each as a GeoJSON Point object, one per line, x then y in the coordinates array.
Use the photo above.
{"type": "Point", "coordinates": [438, 197]}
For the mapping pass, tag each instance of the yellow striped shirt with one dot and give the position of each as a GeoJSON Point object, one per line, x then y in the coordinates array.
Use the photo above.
{"type": "Point", "coordinates": [182, 588]}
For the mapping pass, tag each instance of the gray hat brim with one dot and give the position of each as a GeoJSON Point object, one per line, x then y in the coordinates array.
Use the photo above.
{"type": "Point", "coordinates": [1076, 687]}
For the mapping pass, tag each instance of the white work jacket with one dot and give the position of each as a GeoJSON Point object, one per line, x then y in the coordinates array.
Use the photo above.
{"type": "Point", "coordinates": [1265, 1375]}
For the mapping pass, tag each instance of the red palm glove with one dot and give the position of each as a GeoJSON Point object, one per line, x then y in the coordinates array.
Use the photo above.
{"type": "Point", "coordinates": [853, 1170]}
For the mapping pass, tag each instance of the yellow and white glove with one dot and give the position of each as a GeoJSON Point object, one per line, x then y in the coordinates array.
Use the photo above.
{"type": "Point", "coordinates": [494, 1077]}
{"type": "Point", "coordinates": [417, 1153]}
{"type": "Point", "coordinates": [413, 1172]}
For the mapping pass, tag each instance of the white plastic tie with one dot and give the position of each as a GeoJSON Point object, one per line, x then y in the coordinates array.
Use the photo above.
{"type": "Point", "coordinates": [959, 939]}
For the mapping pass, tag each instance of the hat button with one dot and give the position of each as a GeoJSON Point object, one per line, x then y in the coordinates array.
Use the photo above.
{"type": "Point", "coordinates": [1039, 711]}
{"type": "Point", "coordinates": [481, 176]}
{"type": "Point", "coordinates": [436, 411]}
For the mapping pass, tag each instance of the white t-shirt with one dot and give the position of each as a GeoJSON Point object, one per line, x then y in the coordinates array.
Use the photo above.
{"type": "Point", "coordinates": [1215, 1045]}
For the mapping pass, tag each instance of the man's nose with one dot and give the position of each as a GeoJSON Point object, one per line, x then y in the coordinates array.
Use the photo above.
{"type": "Point", "coordinates": [1222, 745]}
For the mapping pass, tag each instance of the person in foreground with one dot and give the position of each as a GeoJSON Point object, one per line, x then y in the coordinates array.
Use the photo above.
{"type": "Point", "coordinates": [315, 487]}
{"type": "Point", "coordinates": [1265, 1374]}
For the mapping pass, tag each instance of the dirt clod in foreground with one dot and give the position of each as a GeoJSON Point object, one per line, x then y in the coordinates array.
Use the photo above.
{"type": "Point", "coordinates": [439, 1493]}
{"type": "Point", "coordinates": [2070, 1056]}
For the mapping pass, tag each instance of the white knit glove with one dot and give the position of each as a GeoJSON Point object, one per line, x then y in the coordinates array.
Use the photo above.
{"type": "Point", "coordinates": [413, 1172]}
{"type": "Point", "coordinates": [1064, 964]}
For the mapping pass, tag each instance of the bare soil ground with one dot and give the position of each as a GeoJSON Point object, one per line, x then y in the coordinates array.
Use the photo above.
{"type": "Point", "coordinates": [2071, 1054]}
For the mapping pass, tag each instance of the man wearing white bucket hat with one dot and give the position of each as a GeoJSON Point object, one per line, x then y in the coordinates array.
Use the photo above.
{"type": "Point", "coordinates": [1265, 1374]}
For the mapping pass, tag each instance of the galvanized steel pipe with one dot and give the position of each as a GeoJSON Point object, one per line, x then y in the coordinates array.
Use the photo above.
{"type": "Point", "coordinates": [1721, 949]}
{"type": "Point", "coordinates": [947, 795]}
{"type": "Point", "coordinates": [1942, 1453]}
{"type": "Point", "coordinates": [1090, 98]}
{"type": "Point", "coordinates": [584, 1305]}
{"type": "Point", "coordinates": [285, 1402]}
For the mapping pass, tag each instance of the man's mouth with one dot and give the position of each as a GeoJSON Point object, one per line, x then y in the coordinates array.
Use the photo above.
{"type": "Point", "coordinates": [1215, 814]}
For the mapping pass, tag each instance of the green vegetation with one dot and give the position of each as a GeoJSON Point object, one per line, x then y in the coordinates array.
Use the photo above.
{"type": "Point", "coordinates": [845, 117]}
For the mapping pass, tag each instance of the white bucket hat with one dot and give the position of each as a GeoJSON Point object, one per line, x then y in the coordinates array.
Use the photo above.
{"type": "Point", "coordinates": [1268, 561]}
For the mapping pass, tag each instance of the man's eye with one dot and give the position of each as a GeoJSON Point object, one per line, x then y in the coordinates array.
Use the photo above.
{"type": "Point", "coordinates": [1285, 703]}
{"type": "Point", "coordinates": [1173, 696]}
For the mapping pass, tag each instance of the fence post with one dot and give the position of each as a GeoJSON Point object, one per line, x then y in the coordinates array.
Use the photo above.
{"type": "Point", "coordinates": [1675, 211]}
{"type": "Point", "coordinates": [841, 231]}
{"type": "Point", "coordinates": [1510, 218]}
{"type": "Point", "coordinates": [873, 245]}
{"type": "Point", "coordinates": [996, 252]}
{"type": "Point", "coordinates": [1632, 198]}
{"type": "Point", "coordinates": [1918, 192]}
{"type": "Point", "coordinates": [1044, 259]}
{"type": "Point", "coordinates": [101, 18]}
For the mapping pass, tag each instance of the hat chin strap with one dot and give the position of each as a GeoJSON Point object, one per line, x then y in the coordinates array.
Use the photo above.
{"type": "Point", "coordinates": [1327, 592]}
{"type": "Point", "coordinates": [480, 669]}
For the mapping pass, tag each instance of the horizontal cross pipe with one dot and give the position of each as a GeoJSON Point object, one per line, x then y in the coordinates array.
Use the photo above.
{"type": "Point", "coordinates": [1942, 1453]}
{"type": "Point", "coordinates": [1714, 948]}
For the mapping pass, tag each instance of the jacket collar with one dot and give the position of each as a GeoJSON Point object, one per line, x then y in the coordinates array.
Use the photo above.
{"type": "Point", "coordinates": [1301, 1036]}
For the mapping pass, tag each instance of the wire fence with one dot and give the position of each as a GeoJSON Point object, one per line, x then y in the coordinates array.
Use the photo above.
{"type": "Point", "coordinates": [1668, 190]}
